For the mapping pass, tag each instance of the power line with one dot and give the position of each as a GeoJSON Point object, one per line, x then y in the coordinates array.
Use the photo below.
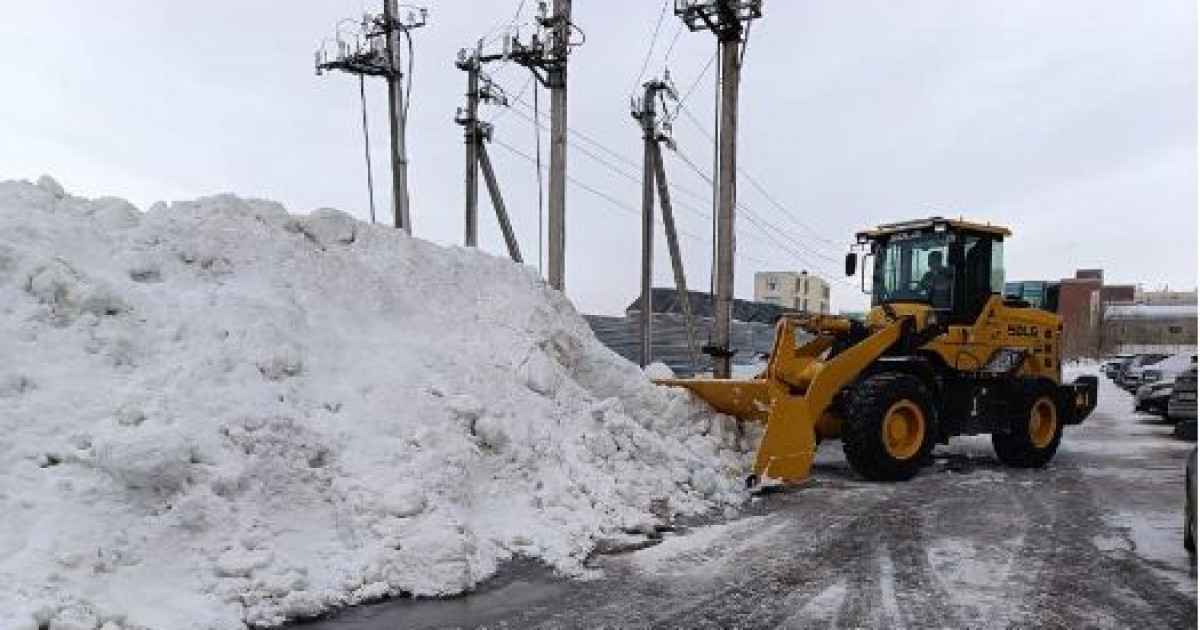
{"type": "Point", "coordinates": [501, 26]}
{"type": "Point", "coordinates": [650, 49]}
{"type": "Point", "coordinates": [616, 203]}
{"type": "Point", "coordinates": [619, 169]}
{"type": "Point", "coordinates": [537, 139]}
{"type": "Point", "coordinates": [362, 96]}
{"type": "Point", "coordinates": [671, 46]}
{"type": "Point", "coordinates": [757, 186]}
{"type": "Point", "coordinates": [584, 137]}
{"type": "Point", "coordinates": [760, 227]}
{"type": "Point", "coordinates": [695, 83]}
{"type": "Point", "coordinates": [768, 225]}
{"type": "Point", "coordinates": [765, 228]}
{"type": "Point", "coordinates": [504, 110]}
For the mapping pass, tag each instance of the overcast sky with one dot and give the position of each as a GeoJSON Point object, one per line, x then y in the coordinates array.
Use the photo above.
{"type": "Point", "coordinates": [1073, 122]}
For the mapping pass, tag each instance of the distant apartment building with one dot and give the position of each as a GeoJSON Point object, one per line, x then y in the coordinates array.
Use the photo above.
{"type": "Point", "coordinates": [789, 289]}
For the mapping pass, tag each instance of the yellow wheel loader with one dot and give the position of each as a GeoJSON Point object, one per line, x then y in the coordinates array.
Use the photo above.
{"type": "Point", "coordinates": [942, 353]}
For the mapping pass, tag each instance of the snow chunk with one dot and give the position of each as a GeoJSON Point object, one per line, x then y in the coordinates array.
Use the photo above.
{"type": "Point", "coordinates": [50, 185]}
{"type": "Point", "coordinates": [659, 369]}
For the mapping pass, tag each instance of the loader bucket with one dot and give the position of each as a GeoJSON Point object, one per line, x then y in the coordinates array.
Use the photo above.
{"type": "Point", "coordinates": [744, 400]}
{"type": "Point", "coordinates": [793, 394]}
{"type": "Point", "coordinates": [789, 443]}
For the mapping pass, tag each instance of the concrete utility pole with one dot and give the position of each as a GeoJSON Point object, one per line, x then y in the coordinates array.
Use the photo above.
{"type": "Point", "coordinates": [396, 116]}
{"type": "Point", "coordinates": [649, 143]}
{"type": "Point", "coordinates": [480, 88]}
{"type": "Point", "coordinates": [470, 122]}
{"type": "Point", "coordinates": [556, 224]}
{"type": "Point", "coordinates": [546, 55]}
{"type": "Point", "coordinates": [375, 51]}
{"type": "Point", "coordinates": [685, 301]}
{"type": "Point", "coordinates": [724, 18]}
{"type": "Point", "coordinates": [654, 135]}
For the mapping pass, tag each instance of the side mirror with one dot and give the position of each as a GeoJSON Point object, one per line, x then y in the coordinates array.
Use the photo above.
{"type": "Point", "coordinates": [851, 263]}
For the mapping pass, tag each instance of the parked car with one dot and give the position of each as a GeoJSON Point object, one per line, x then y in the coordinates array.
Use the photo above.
{"type": "Point", "coordinates": [1166, 368]}
{"type": "Point", "coordinates": [1110, 365]}
{"type": "Point", "coordinates": [1189, 505]}
{"type": "Point", "coordinates": [1114, 368]}
{"type": "Point", "coordinates": [1136, 361]}
{"type": "Point", "coordinates": [1153, 398]}
{"type": "Point", "coordinates": [1181, 408]}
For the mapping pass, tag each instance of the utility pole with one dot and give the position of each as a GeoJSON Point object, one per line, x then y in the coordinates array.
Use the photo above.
{"type": "Point", "coordinates": [480, 88]}
{"type": "Point", "coordinates": [556, 223]}
{"type": "Point", "coordinates": [725, 19]}
{"type": "Point", "coordinates": [397, 116]}
{"type": "Point", "coordinates": [654, 135]}
{"type": "Point", "coordinates": [470, 122]}
{"type": "Point", "coordinates": [649, 143]}
{"type": "Point", "coordinates": [375, 51]}
{"type": "Point", "coordinates": [546, 55]}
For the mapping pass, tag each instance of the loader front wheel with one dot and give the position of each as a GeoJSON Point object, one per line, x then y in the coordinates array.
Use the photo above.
{"type": "Point", "coordinates": [888, 429]}
{"type": "Point", "coordinates": [1034, 435]}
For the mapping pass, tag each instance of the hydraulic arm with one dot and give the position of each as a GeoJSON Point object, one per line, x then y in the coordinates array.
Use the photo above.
{"type": "Point", "coordinates": [795, 392]}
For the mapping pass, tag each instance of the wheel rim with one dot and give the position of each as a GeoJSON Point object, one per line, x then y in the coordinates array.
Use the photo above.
{"type": "Point", "coordinates": [1043, 422]}
{"type": "Point", "coordinates": [903, 429]}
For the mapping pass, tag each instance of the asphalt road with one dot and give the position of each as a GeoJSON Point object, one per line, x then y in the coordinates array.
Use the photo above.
{"type": "Point", "coordinates": [1093, 541]}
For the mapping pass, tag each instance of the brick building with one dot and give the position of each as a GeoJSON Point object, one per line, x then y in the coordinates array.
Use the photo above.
{"type": "Point", "coordinates": [1084, 303]}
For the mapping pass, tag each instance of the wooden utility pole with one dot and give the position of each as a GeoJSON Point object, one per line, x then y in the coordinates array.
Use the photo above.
{"type": "Point", "coordinates": [556, 223]}
{"type": "Point", "coordinates": [475, 134]}
{"type": "Point", "coordinates": [654, 174]}
{"type": "Point", "coordinates": [375, 51]}
{"type": "Point", "coordinates": [724, 18]}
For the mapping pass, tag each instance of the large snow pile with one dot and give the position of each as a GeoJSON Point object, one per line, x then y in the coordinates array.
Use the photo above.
{"type": "Point", "coordinates": [216, 413]}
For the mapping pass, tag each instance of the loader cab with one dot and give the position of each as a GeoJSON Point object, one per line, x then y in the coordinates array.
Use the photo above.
{"type": "Point", "coordinates": [954, 267]}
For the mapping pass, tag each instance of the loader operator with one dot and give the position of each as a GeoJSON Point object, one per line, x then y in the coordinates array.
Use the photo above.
{"type": "Point", "coordinates": [938, 282]}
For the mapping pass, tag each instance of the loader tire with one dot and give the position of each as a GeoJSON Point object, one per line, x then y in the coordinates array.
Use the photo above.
{"type": "Point", "coordinates": [888, 429]}
{"type": "Point", "coordinates": [1035, 431]}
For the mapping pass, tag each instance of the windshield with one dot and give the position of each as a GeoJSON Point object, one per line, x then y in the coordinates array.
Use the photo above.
{"type": "Point", "coordinates": [914, 268]}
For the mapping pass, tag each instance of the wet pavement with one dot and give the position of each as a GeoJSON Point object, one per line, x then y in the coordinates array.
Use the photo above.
{"type": "Point", "coordinates": [1095, 540]}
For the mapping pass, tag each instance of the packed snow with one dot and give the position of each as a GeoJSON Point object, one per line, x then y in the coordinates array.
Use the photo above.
{"type": "Point", "coordinates": [219, 414]}
{"type": "Point", "coordinates": [708, 549]}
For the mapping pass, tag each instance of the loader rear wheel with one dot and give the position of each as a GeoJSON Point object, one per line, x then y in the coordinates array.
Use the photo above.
{"type": "Point", "coordinates": [1035, 431]}
{"type": "Point", "coordinates": [888, 429]}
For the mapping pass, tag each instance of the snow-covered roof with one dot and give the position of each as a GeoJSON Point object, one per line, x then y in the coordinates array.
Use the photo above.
{"type": "Point", "coordinates": [1150, 311]}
